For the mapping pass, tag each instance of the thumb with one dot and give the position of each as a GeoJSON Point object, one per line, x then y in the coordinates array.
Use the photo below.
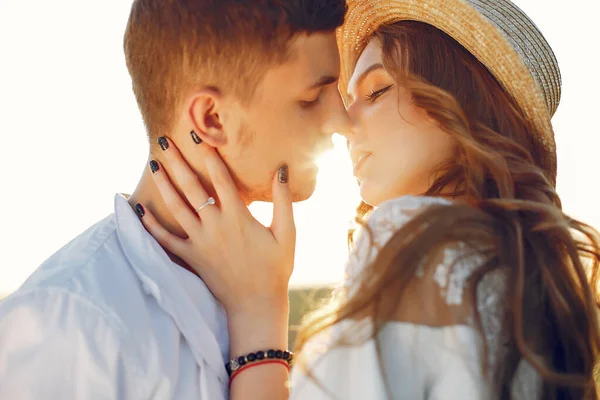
{"type": "Point", "coordinates": [283, 227]}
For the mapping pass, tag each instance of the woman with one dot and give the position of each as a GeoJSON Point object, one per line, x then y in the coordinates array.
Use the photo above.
{"type": "Point", "coordinates": [467, 280]}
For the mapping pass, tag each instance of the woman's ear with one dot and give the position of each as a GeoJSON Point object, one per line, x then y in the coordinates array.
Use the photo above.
{"type": "Point", "coordinates": [205, 112]}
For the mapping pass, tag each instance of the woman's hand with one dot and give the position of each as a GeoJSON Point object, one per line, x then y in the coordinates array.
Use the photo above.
{"type": "Point", "coordinates": [246, 265]}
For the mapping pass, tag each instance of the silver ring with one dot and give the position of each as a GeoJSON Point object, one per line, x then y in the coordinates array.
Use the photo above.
{"type": "Point", "coordinates": [209, 202]}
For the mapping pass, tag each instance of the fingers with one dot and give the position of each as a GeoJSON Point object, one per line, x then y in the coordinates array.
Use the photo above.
{"type": "Point", "coordinates": [184, 216]}
{"type": "Point", "coordinates": [187, 179]}
{"type": "Point", "coordinates": [221, 178]}
{"type": "Point", "coordinates": [166, 239]}
{"type": "Point", "coordinates": [283, 226]}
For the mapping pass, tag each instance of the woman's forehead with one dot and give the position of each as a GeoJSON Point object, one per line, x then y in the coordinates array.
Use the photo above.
{"type": "Point", "coordinates": [370, 55]}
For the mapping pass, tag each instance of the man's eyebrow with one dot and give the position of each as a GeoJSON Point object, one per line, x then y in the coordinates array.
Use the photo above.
{"type": "Point", "coordinates": [364, 75]}
{"type": "Point", "coordinates": [323, 81]}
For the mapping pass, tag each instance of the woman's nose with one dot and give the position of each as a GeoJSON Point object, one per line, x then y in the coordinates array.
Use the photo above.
{"type": "Point", "coordinates": [350, 127]}
{"type": "Point", "coordinates": [338, 121]}
{"type": "Point", "coordinates": [348, 132]}
{"type": "Point", "coordinates": [354, 120]}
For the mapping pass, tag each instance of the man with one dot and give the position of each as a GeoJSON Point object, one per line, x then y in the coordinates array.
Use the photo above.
{"type": "Point", "coordinates": [113, 316]}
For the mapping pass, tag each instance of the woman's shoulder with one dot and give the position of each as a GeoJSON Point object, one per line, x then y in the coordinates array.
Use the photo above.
{"type": "Point", "coordinates": [438, 294]}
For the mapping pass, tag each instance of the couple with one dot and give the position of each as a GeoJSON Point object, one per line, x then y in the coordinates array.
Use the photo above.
{"type": "Point", "coordinates": [465, 279]}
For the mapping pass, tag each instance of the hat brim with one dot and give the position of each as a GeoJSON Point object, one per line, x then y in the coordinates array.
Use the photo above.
{"type": "Point", "coordinates": [473, 31]}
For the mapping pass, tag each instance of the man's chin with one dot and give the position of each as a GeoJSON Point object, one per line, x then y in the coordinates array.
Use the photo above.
{"type": "Point", "coordinates": [301, 196]}
{"type": "Point", "coordinates": [299, 193]}
{"type": "Point", "coordinates": [301, 189]}
{"type": "Point", "coordinates": [305, 189]}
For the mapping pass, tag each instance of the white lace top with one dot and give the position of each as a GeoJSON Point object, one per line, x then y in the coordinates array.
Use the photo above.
{"type": "Point", "coordinates": [435, 360]}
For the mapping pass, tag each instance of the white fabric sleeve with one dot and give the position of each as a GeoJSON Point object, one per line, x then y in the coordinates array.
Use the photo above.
{"type": "Point", "coordinates": [57, 345]}
{"type": "Point", "coordinates": [418, 362]}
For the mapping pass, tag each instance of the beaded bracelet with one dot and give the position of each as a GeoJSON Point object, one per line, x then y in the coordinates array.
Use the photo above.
{"type": "Point", "coordinates": [236, 363]}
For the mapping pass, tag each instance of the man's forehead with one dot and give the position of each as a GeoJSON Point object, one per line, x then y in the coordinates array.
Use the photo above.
{"type": "Point", "coordinates": [311, 58]}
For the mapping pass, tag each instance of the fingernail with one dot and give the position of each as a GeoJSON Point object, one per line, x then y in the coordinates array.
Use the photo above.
{"type": "Point", "coordinates": [163, 142]}
{"type": "Point", "coordinates": [195, 137]}
{"type": "Point", "coordinates": [139, 209]}
{"type": "Point", "coordinates": [283, 174]}
{"type": "Point", "coordinates": [154, 166]}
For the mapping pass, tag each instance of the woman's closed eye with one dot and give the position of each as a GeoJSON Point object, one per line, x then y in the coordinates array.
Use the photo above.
{"type": "Point", "coordinates": [374, 94]}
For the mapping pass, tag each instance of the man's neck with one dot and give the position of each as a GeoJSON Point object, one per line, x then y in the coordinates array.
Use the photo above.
{"type": "Point", "coordinates": [147, 194]}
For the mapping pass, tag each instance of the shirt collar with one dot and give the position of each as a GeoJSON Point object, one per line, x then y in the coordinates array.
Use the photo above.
{"type": "Point", "coordinates": [198, 315]}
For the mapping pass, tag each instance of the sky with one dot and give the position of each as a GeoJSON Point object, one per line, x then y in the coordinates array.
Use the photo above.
{"type": "Point", "coordinates": [72, 135]}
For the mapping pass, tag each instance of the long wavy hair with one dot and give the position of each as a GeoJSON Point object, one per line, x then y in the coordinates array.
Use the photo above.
{"type": "Point", "coordinates": [511, 215]}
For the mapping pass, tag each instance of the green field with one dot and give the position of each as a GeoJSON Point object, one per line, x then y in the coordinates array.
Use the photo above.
{"type": "Point", "coordinates": [303, 300]}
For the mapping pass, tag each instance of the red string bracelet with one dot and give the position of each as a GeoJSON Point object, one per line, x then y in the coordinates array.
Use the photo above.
{"type": "Point", "coordinates": [256, 364]}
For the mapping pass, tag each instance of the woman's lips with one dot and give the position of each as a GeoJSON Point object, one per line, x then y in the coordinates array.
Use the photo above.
{"type": "Point", "coordinates": [360, 162]}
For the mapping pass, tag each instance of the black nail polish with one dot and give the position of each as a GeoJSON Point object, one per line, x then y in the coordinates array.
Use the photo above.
{"type": "Point", "coordinates": [154, 166]}
{"type": "Point", "coordinates": [139, 209]}
{"type": "Point", "coordinates": [283, 174]}
{"type": "Point", "coordinates": [195, 137]}
{"type": "Point", "coordinates": [163, 142]}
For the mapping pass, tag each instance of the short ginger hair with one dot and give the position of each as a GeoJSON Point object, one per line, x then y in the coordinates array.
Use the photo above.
{"type": "Point", "coordinates": [173, 47]}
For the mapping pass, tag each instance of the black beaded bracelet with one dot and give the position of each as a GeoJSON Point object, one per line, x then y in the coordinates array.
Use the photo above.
{"type": "Point", "coordinates": [236, 363]}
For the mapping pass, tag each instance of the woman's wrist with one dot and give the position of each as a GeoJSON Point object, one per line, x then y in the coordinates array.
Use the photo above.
{"type": "Point", "coordinates": [259, 326]}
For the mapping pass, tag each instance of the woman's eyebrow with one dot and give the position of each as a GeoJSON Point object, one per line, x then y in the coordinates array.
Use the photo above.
{"type": "Point", "coordinates": [363, 75]}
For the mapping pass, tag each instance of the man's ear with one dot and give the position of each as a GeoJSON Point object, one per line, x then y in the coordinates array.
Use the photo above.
{"type": "Point", "coordinates": [205, 112]}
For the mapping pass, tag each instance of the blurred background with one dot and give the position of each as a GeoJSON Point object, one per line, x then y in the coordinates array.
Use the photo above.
{"type": "Point", "coordinates": [72, 135]}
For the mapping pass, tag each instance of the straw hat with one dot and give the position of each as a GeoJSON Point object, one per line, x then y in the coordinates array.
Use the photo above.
{"type": "Point", "coordinates": [496, 32]}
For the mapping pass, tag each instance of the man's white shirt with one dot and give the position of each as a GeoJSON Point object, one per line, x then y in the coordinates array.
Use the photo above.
{"type": "Point", "coordinates": [110, 316]}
